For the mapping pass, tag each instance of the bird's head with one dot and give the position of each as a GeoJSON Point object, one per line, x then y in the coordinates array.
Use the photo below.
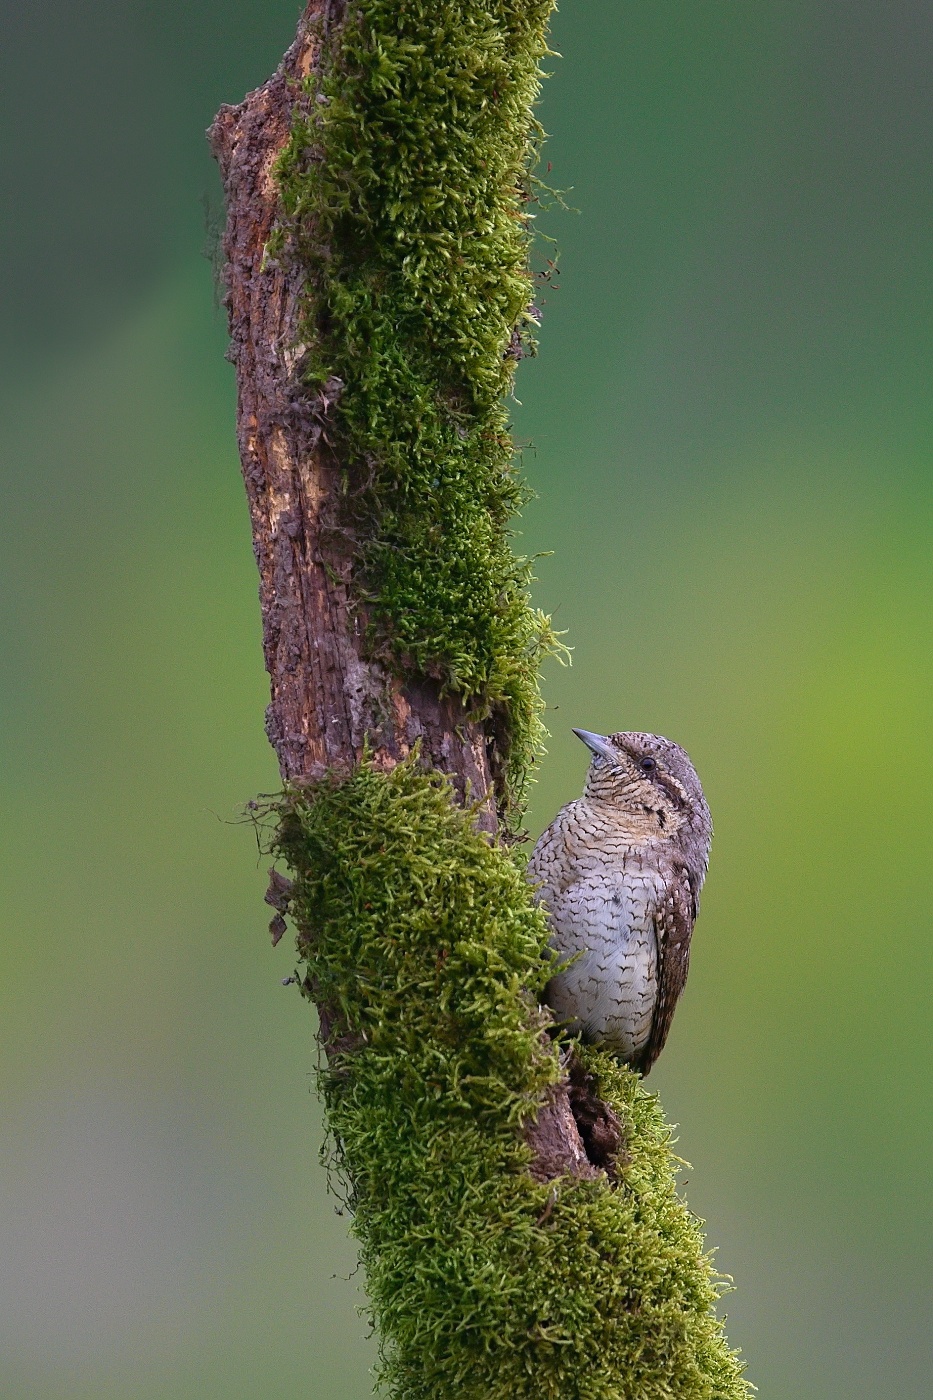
{"type": "Point", "coordinates": [650, 782]}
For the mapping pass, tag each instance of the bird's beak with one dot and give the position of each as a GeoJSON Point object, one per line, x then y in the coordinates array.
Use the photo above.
{"type": "Point", "coordinates": [598, 743]}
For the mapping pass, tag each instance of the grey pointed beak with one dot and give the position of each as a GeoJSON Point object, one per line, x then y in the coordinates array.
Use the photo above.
{"type": "Point", "coordinates": [598, 743]}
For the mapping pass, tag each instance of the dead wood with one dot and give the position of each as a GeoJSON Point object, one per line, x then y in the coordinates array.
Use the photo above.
{"type": "Point", "coordinates": [328, 697]}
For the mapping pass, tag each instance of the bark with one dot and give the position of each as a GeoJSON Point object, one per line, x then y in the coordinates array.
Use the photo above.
{"type": "Point", "coordinates": [328, 696]}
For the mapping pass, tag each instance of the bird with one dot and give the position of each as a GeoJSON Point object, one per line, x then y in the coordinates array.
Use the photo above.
{"type": "Point", "coordinates": [619, 873]}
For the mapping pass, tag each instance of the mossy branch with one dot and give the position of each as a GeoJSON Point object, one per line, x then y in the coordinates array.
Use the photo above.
{"type": "Point", "coordinates": [515, 1204]}
{"type": "Point", "coordinates": [485, 1281]}
{"type": "Point", "coordinates": [405, 195]}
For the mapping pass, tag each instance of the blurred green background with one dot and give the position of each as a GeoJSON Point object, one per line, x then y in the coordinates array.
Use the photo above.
{"type": "Point", "coordinates": [731, 426]}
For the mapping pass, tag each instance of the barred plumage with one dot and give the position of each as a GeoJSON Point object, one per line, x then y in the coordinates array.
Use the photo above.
{"type": "Point", "coordinates": [620, 872]}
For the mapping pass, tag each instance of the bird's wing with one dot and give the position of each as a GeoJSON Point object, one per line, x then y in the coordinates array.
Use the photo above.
{"type": "Point", "coordinates": [674, 920]}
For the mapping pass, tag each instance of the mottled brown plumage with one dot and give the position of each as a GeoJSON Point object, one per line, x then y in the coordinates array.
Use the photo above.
{"type": "Point", "coordinates": [620, 872]}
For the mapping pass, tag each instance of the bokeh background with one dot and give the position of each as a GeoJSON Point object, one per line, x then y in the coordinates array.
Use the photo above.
{"type": "Point", "coordinates": [731, 429]}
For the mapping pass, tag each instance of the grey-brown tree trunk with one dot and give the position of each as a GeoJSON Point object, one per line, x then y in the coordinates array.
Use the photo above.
{"type": "Point", "coordinates": [329, 699]}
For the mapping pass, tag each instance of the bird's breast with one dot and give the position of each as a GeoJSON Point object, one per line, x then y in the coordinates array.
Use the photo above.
{"type": "Point", "coordinates": [603, 924]}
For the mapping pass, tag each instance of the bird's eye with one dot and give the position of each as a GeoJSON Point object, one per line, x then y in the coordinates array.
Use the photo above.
{"type": "Point", "coordinates": [648, 764]}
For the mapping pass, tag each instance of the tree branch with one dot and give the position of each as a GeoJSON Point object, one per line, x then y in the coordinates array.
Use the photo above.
{"type": "Point", "coordinates": [328, 698]}
{"type": "Point", "coordinates": [516, 1203]}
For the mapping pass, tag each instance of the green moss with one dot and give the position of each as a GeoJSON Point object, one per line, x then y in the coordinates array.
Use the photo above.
{"type": "Point", "coordinates": [421, 939]}
{"type": "Point", "coordinates": [405, 194]}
